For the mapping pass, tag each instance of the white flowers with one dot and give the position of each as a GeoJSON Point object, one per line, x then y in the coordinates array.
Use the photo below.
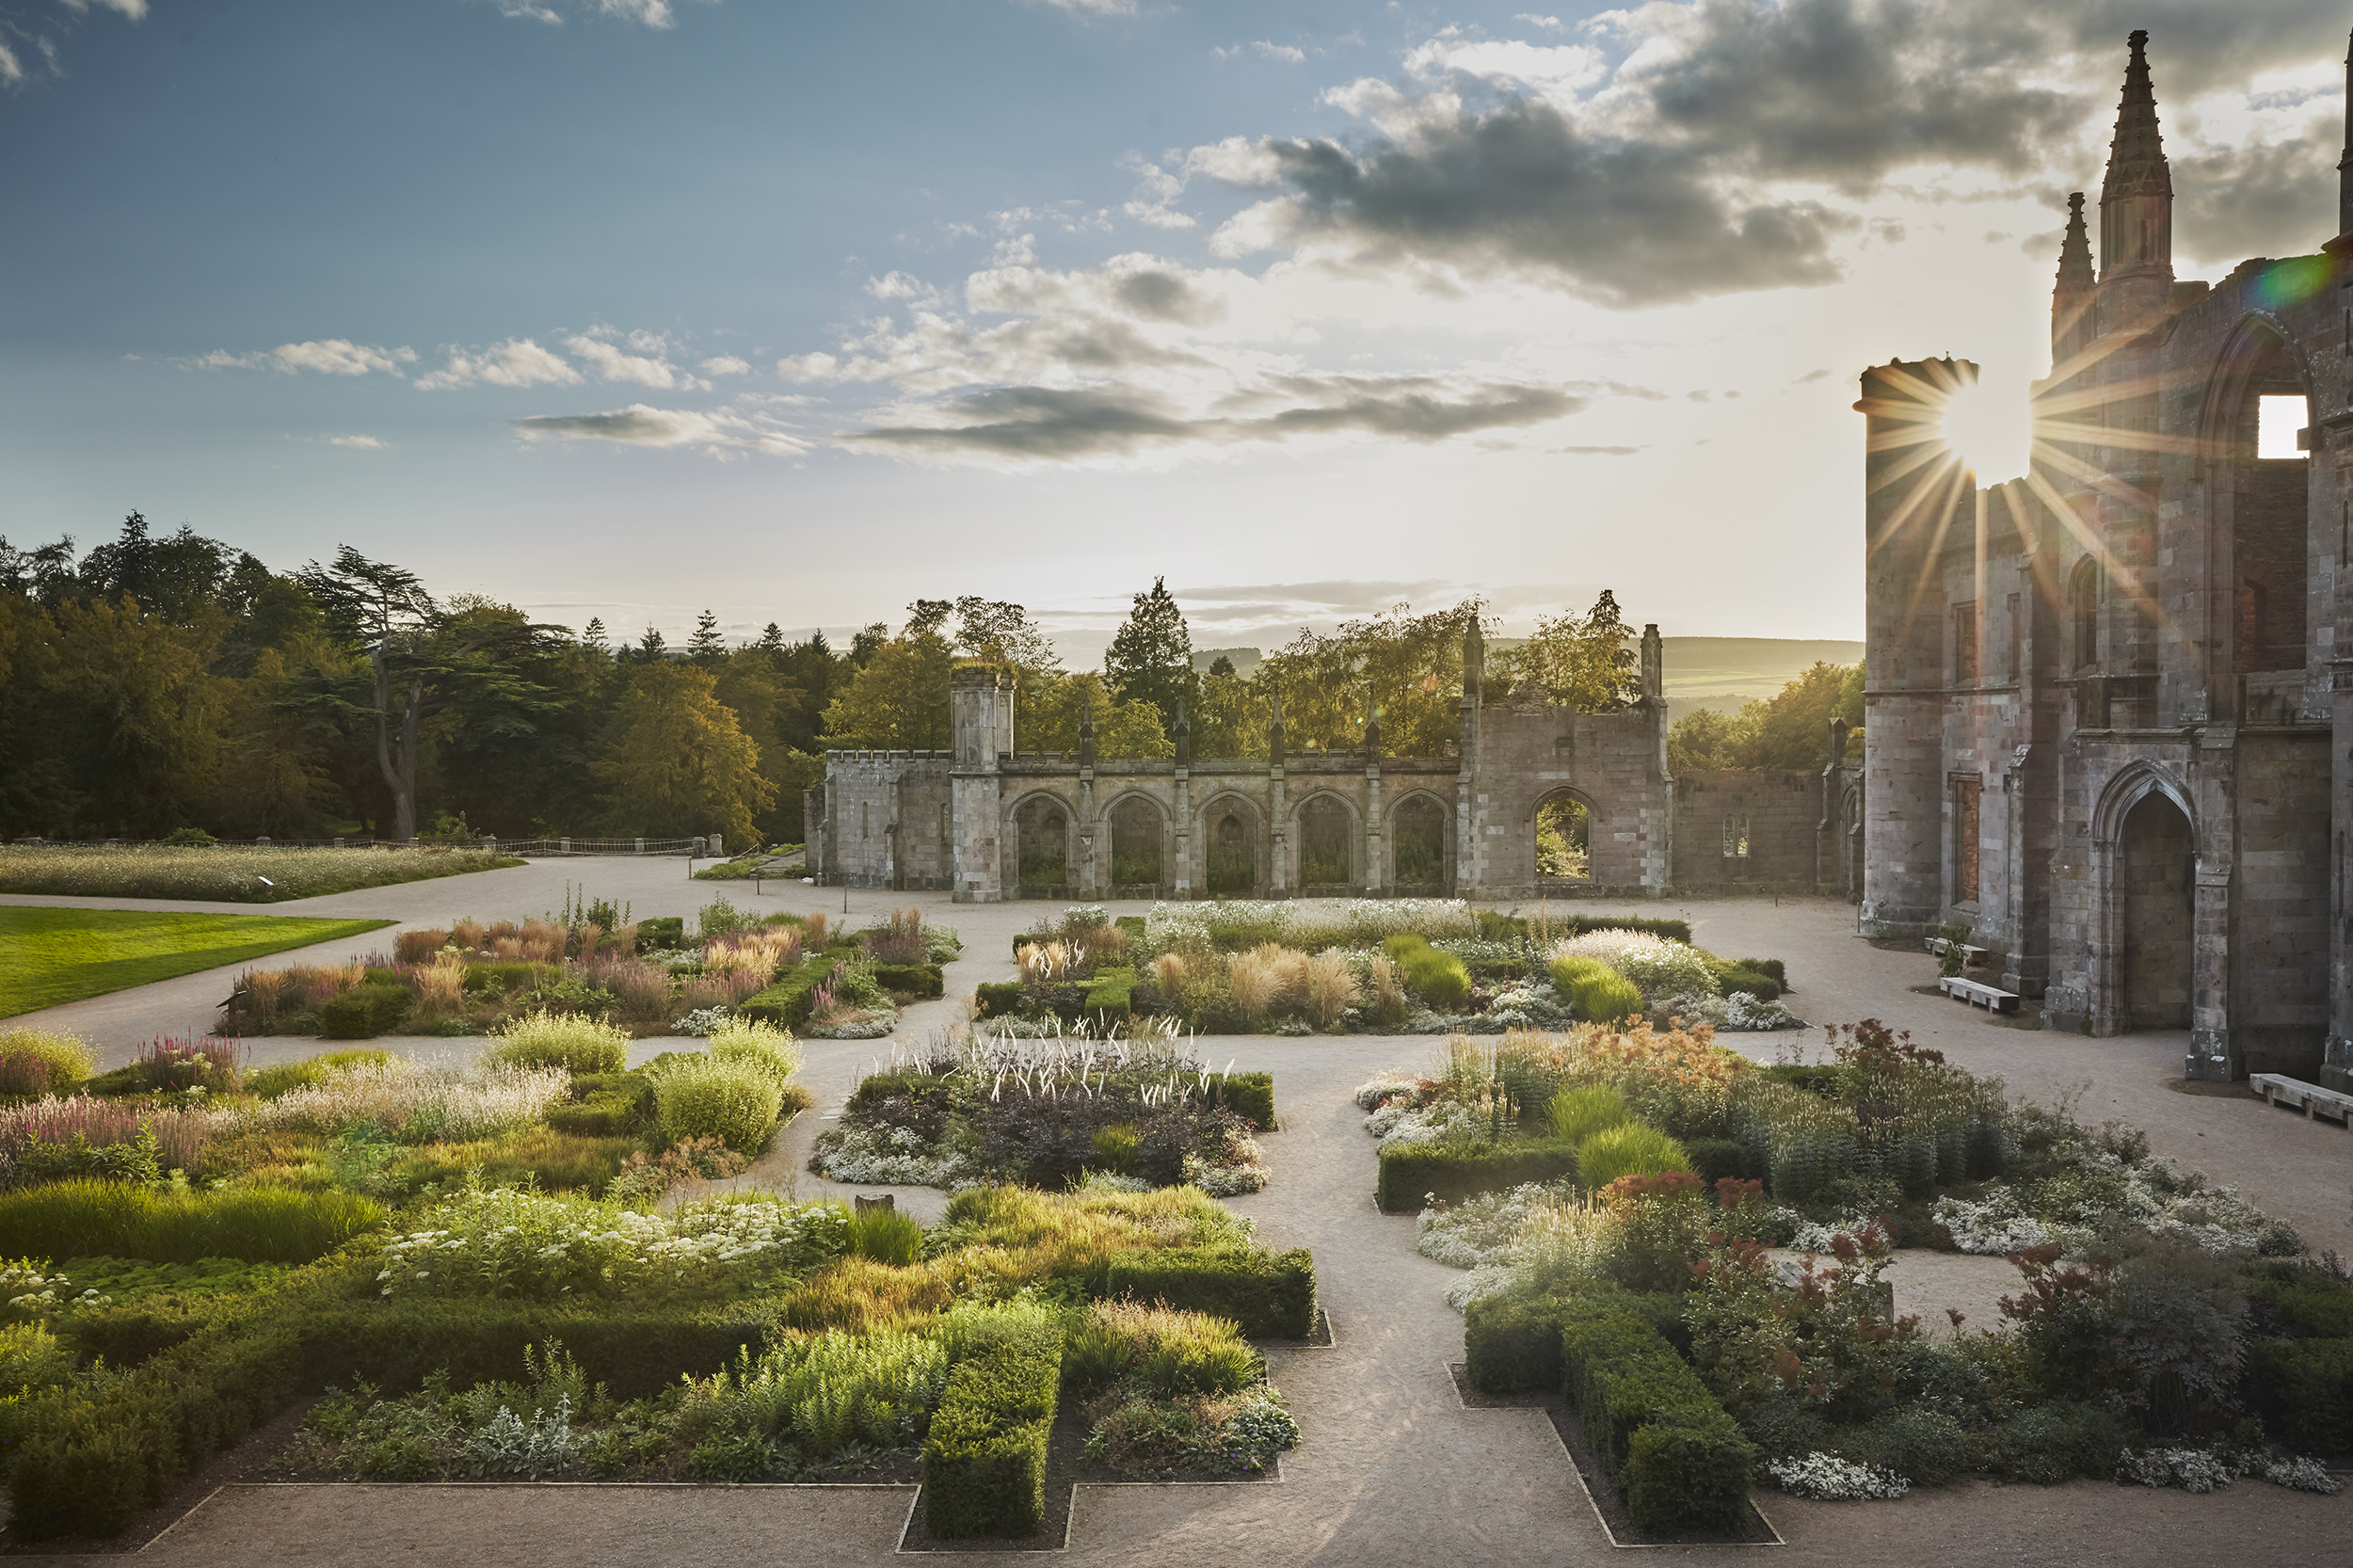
{"type": "Point", "coordinates": [1659, 964]}
{"type": "Point", "coordinates": [885, 1157]}
{"type": "Point", "coordinates": [1830, 1479]}
{"type": "Point", "coordinates": [432, 1099]}
{"type": "Point", "coordinates": [1312, 924]}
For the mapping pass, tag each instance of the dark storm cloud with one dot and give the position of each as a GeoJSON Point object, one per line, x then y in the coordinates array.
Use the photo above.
{"type": "Point", "coordinates": [1157, 295]}
{"type": "Point", "coordinates": [1045, 422]}
{"type": "Point", "coordinates": [1519, 189]}
{"type": "Point", "coordinates": [2277, 199]}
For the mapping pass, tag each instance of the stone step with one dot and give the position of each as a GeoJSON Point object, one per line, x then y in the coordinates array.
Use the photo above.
{"type": "Point", "coordinates": [2278, 1089]}
{"type": "Point", "coordinates": [1978, 993]}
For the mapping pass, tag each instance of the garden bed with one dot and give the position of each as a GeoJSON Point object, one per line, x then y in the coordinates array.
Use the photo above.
{"type": "Point", "coordinates": [227, 874]}
{"type": "Point", "coordinates": [1399, 966]}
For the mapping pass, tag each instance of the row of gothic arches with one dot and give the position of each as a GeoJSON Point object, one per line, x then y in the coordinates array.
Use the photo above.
{"type": "Point", "coordinates": [1327, 840]}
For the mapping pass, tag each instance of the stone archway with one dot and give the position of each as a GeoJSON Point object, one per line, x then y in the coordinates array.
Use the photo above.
{"type": "Point", "coordinates": [2155, 892]}
{"type": "Point", "coordinates": [1230, 850]}
{"type": "Point", "coordinates": [1139, 838]}
{"type": "Point", "coordinates": [1327, 845]}
{"type": "Point", "coordinates": [1417, 846]}
{"type": "Point", "coordinates": [1564, 829]}
{"type": "Point", "coordinates": [1042, 845]}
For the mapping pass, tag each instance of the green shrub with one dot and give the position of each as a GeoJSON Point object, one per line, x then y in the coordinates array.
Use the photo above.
{"type": "Point", "coordinates": [2049, 1444]}
{"type": "Point", "coordinates": [1715, 1159]}
{"type": "Point", "coordinates": [985, 1460]}
{"type": "Point", "coordinates": [1600, 994]}
{"type": "Point", "coordinates": [1271, 1296]}
{"type": "Point", "coordinates": [1438, 977]}
{"type": "Point", "coordinates": [757, 1045]}
{"type": "Point", "coordinates": [572, 1041]}
{"type": "Point", "coordinates": [787, 1003]}
{"type": "Point", "coordinates": [282, 1078]}
{"type": "Point", "coordinates": [1631, 1148]}
{"type": "Point", "coordinates": [1512, 1343]}
{"type": "Point", "coordinates": [1000, 998]}
{"type": "Point", "coordinates": [1919, 1443]}
{"type": "Point", "coordinates": [666, 930]}
{"type": "Point", "coordinates": [913, 980]}
{"type": "Point", "coordinates": [1106, 997]}
{"type": "Point", "coordinates": [885, 1236]}
{"type": "Point", "coordinates": [701, 1097]}
{"type": "Point", "coordinates": [2306, 1303]}
{"type": "Point", "coordinates": [2303, 1390]}
{"type": "Point", "coordinates": [1197, 1355]}
{"type": "Point", "coordinates": [1134, 926]}
{"type": "Point", "coordinates": [37, 1061]}
{"type": "Point", "coordinates": [1249, 1096]}
{"type": "Point", "coordinates": [1771, 968]}
{"type": "Point", "coordinates": [87, 1216]}
{"type": "Point", "coordinates": [1576, 1114]}
{"type": "Point", "coordinates": [1732, 976]}
{"type": "Point", "coordinates": [1412, 1172]}
{"type": "Point", "coordinates": [611, 1105]}
{"type": "Point", "coordinates": [1680, 1460]}
{"type": "Point", "coordinates": [365, 1012]}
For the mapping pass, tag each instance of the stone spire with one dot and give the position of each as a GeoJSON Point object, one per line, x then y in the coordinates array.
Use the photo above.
{"type": "Point", "coordinates": [2072, 297]}
{"type": "Point", "coordinates": [2344, 165]}
{"type": "Point", "coordinates": [2137, 197]}
{"type": "Point", "coordinates": [1274, 734]}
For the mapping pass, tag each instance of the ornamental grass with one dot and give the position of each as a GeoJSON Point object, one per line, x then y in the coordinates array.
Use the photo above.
{"type": "Point", "coordinates": [40, 1061]}
{"type": "Point", "coordinates": [415, 1102]}
{"type": "Point", "coordinates": [572, 1041]}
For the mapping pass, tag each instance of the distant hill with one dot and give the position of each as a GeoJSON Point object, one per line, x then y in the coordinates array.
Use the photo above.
{"type": "Point", "coordinates": [1245, 659]}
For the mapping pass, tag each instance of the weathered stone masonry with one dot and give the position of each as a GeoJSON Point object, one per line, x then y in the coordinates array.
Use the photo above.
{"type": "Point", "coordinates": [2107, 724]}
{"type": "Point", "coordinates": [991, 823]}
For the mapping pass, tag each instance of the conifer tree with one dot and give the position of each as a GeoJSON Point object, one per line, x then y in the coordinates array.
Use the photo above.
{"type": "Point", "coordinates": [1150, 659]}
{"type": "Point", "coordinates": [706, 648]}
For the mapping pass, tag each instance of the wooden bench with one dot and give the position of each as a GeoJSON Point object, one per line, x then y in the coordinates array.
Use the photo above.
{"type": "Point", "coordinates": [2277, 1090]}
{"type": "Point", "coordinates": [1971, 956]}
{"type": "Point", "coordinates": [1979, 994]}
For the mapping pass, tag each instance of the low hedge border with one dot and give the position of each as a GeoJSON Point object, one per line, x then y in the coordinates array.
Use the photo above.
{"type": "Point", "coordinates": [999, 998]}
{"type": "Point", "coordinates": [1679, 1459]}
{"type": "Point", "coordinates": [87, 1462]}
{"type": "Point", "coordinates": [611, 1105]}
{"type": "Point", "coordinates": [1272, 1295]}
{"type": "Point", "coordinates": [2303, 1390]}
{"type": "Point", "coordinates": [1512, 1344]}
{"type": "Point", "coordinates": [1249, 1096]}
{"type": "Point", "coordinates": [1106, 998]}
{"type": "Point", "coordinates": [1411, 1172]}
{"type": "Point", "coordinates": [985, 1460]}
{"type": "Point", "coordinates": [915, 979]}
{"type": "Point", "coordinates": [786, 1003]}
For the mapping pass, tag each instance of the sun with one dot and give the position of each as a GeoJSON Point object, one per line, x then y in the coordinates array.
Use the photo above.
{"type": "Point", "coordinates": [1992, 430]}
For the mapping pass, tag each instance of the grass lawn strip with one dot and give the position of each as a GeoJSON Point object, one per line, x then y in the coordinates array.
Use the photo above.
{"type": "Point", "coordinates": [49, 957]}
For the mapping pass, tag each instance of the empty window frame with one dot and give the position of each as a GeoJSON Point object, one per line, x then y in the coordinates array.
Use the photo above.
{"type": "Point", "coordinates": [1966, 820]}
{"type": "Point", "coordinates": [1735, 836]}
{"type": "Point", "coordinates": [1965, 644]}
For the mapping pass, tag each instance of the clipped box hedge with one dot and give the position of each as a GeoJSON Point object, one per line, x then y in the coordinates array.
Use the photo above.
{"type": "Point", "coordinates": [915, 979]}
{"type": "Point", "coordinates": [661, 931]}
{"type": "Point", "coordinates": [787, 1003]}
{"type": "Point", "coordinates": [985, 1460]}
{"type": "Point", "coordinates": [1272, 1295]}
{"type": "Point", "coordinates": [1678, 1458]}
{"type": "Point", "coordinates": [1249, 1096]}
{"type": "Point", "coordinates": [611, 1105]}
{"type": "Point", "coordinates": [999, 998]}
{"type": "Point", "coordinates": [365, 1012]}
{"type": "Point", "coordinates": [1412, 1172]}
{"type": "Point", "coordinates": [2303, 1390]}
{"type": "Point", "coordinates": [90, 1460]}
{"type": "Point", "coordinates": [1106, 997]}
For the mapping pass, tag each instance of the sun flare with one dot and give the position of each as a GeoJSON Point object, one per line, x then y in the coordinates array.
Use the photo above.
{"type": "Point", "coordinates": [1992, 430]}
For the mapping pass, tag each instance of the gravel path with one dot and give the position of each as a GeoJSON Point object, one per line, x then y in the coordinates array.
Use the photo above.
{"type": "Point", "coordinates": [1392, 1469]}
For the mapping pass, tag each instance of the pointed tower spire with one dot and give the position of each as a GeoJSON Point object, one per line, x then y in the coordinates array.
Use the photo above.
{"type": "Point", "coordinates": [2344, 165]}
{"type": "Point", "coordinates": [2072, 297]}
{"type": "Point", "coordinates": [2136, 199]}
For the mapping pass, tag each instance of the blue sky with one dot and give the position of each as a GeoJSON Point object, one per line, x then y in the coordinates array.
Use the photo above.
{"type": "Point", "coordinates": [799, 312]}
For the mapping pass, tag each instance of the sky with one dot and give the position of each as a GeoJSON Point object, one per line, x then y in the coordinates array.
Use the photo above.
{"type": "Point", "coordinates": [797, 312]}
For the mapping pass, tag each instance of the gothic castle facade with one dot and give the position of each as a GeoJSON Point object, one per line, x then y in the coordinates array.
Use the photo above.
{"type": "Point", "coordinates": [2109, 706]}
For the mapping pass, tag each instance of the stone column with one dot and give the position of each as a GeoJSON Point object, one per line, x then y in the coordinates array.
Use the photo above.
{"type": "Point", "coordinates": [979, 699]}
{"type": "Point", "coordinates": [1278, 837]}
{"type": "Point", "coordinates": [1374, 878]}
{"type": "Point", "coordinates": [1182, 872]}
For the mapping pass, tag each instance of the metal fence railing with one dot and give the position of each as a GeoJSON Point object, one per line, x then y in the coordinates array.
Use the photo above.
{"type": "Point", "coordinates": [697, 847]}
{"type": "Point", "coordinates": [603, 846]}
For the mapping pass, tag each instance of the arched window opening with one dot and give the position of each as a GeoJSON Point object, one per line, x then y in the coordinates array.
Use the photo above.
{"type": "Point", "coordinates": [2270, 494]}
{"type": "Point", "coordinates": [1135, 842]}
{"type": "Point", "coordinates": [1421, 852]}
{"type": "Point", "coordinates": [2083, 600]}
{"type": "Point", "coordinates": [1326, 846]}
{"type": "Point", "coordinates": [1563, 840]}
{"type": "Point", "coordinates": [1041, 828]}
{"type": "Point", "coordinates": [1233, 853]}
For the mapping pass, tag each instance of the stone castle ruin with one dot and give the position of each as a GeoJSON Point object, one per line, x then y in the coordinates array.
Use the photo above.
{"type": "Point", "coordinates": [991, 823]}
{"type": "Point", "coordinates": [2108, 707]}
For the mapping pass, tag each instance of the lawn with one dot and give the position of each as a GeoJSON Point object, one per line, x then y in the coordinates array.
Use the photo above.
{"type": "Point", "coordinates": [49, 957]}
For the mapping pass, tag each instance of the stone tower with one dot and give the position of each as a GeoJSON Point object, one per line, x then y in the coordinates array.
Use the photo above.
{"type": "Point", "coordinates": [980, 719]}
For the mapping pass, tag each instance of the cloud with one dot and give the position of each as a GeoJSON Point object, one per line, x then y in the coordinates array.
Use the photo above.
{"type": "Point", "coordinates": [1264, 50]}
{"type": "Point", "coordinates": [725, 364]}
{"type": "Point", "coordinates": [652, 13]}
{"type": "Point", "coordinates": [360, 443]}
{"type": "Point", "coordinates": [720, 431]}
{"type": "Point", "coordinates": [23, 30]}
{"type": "Point", "coordinates": [1593, 451]}
{"type": "Point", "coordinates": [1092, 7]}
{"type": "Point", "coordinates": [649, 367]}
{"type": "Point", "coordinates": [2261, 200]}
{"type": "Point", "coordinates": [1520, 190]}
{"type": "Point", "coordinates": [327, 356]}
{"type": "Point", "coordinates": [516, 362]}
{"type": "Point", "coordinates": [1030, 423]}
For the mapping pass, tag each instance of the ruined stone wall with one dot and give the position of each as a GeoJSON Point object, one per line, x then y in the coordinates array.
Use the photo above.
{"type": "Point", "coordinates": [885, 820]}
{"type": "Point", "coordinates": [1782, 812]}
{"type": "Point", "coordinates": [2278, 951]}
{"type": "Point", "coordinates": [1529, 750]}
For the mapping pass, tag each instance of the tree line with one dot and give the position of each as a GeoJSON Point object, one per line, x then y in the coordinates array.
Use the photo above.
{"type": "Point", "coordinates": [163, 681]}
